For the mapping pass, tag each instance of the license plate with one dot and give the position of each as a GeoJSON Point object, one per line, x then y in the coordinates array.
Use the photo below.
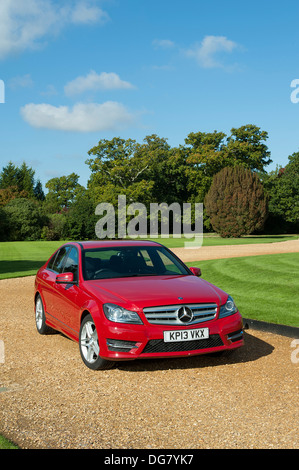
{"type": "Point", "coordinates": [186, 335]}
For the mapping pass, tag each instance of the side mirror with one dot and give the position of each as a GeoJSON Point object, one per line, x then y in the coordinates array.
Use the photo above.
{"type": "Point", "coordinates": [65, 278]}
{"type": "Point", "coordinates": [196, 271]}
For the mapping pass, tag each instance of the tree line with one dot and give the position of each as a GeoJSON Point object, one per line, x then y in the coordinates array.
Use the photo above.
{"type": "Point", "coordinates": [225, 172]}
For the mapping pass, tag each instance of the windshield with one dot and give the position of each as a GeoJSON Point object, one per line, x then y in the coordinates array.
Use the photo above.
{"type": "Point", "coordinates": [124, 261]}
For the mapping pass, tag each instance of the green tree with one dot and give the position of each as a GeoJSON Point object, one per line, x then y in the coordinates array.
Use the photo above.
{"type": "Point", "coordinates": [116, 169]}
{"type": "Point", "coordinates": [25, 179]}
{"type": "Point", "coordinates": [12, 192]}
{"type": "Point", "coordinates": [62, 192]}
{"type": "Point", "coordinates": [283, 187]}
{"type": "Point", "coordinates": [208, 153]}
{"type": "Point", "coordinates": [178, 177]}
{"type": "Point", "coordinates": [236, 202]}
{"type": "Point", "coordinates": [160, 172]}
{"type": "Point", "coordinates": [20, 182]}
{"type": "Point", "coordinates": [25, 219]}
{"type": "Point", "coordinates": [9, 176]}
{"type": "Point", "coordinates": [206, 157]}
{"type": "Point", "coordinates": [38, 191]}
{"type": "Point", "coordinates": [148, 172]}
{"type": "Point", "coordinates": [81, 218]}
{"type": "Point", "coordinates": [246, 147]}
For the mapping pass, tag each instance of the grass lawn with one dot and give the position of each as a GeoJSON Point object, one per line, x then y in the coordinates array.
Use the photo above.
{"type": "Point", "coordinates": [5, 444]}
{"type": "Point", "coordinates": [264, 287]}
{"type": "Point", "coordinates": [25, 258]}
{"type": "Point", "coordinates": [211, 239]}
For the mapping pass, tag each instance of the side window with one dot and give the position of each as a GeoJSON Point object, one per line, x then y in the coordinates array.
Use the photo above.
{"type": "Point", "coordinates": [51, 262]}
{"type": "Point", "coordinates": [71, 264]}
{"type": "Point", "coordinates": [60, 259]}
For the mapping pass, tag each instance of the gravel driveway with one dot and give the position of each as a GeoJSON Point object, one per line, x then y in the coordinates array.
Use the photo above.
{"type": "Point", "coordinates": [235, 251]}
{"type": "Point", "coordinates": [49, 399]}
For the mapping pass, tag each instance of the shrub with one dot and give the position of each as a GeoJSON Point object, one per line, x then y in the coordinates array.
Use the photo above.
{"type": "Point", "coordinates": [54, 230]}
{"type": "Point", "coordinates": [24, 219]}
{"type": "Point", "coordinates": [236, 202]}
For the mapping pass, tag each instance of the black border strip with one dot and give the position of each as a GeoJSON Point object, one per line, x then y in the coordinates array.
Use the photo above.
{"type": "Point", "coordinates": [284, 330]}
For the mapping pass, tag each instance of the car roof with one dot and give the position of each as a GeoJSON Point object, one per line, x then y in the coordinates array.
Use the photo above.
{"type": "Point", "coordinates": [113, 243]}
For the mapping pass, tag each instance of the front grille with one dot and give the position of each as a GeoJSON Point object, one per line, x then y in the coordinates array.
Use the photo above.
{"type": "Point", "coordinates": [168, 314]}
{"type": "Point", "coordinates": [159, 346]}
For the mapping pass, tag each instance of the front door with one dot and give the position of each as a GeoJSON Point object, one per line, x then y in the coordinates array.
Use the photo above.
{"type": "Point", "coordinates": [67, 295]}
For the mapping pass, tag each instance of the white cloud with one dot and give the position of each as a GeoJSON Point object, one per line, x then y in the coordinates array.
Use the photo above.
{"type": "Point", "coordinates": [93, 81]}
{"type": "Point", "coordinates": [24, 81]}
{"type": "Point", "coordinates": [207, 52]}
{"type": "Point", "coordinates": [50, 91]}
{"type": "Point", "coordinates": [25, 24]}
{"type": "Point", "coordinates": [163, 43]}
{"type": "Point", "coordinates": [163, 67]}
{"type": "Point", "coordinates": [84, 13]}
{"type": "Point", "coordinates": [81, 117]}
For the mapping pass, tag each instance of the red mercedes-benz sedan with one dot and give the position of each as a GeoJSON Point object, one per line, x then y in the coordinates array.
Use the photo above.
{"type": "Point", "coordinates": [124, 300]}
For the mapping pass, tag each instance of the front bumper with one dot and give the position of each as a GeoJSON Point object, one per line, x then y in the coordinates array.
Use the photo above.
{"type": "Point", "coordinates": [128, 342]}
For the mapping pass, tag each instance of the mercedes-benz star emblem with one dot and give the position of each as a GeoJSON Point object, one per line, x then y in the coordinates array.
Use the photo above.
{"type": "Point", "coordinates": [185, 314]}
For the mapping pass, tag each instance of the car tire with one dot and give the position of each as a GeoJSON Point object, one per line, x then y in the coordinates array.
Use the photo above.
{"type": "Point", "coordinates": [89, 346]}
{"type": "Point", "coordinates": [40, 318]}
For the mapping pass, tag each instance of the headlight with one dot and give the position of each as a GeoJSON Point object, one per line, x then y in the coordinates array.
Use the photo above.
{"type": "Point", "coordinates": [119, 314]}
{"type": "Point", "coordinates": [228, 309]}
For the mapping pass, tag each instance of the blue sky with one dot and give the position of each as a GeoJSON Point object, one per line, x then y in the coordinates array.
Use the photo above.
{"type": "Point", "coordinates": [77, 71]}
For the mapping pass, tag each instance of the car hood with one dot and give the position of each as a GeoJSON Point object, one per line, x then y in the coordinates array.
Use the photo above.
{"type": "Point", "coordinates": [139, 292]}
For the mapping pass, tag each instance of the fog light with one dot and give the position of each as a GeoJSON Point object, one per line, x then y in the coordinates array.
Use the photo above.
{"type": "Point", "coordinates": [120, 345]}
{"type": "Point", "coordinates": [235, 336]}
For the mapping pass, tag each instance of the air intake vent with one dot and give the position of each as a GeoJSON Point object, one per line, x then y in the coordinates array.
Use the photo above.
{"type": "Point", "coordinates": [159, 346]}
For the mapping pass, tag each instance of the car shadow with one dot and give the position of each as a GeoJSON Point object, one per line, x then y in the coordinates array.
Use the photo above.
{"type": "Point", "coordinates": [253, 349]}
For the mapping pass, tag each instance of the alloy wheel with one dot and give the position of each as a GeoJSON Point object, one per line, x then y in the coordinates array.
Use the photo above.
{"type": "Point", "coordinates": [89, 342]}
